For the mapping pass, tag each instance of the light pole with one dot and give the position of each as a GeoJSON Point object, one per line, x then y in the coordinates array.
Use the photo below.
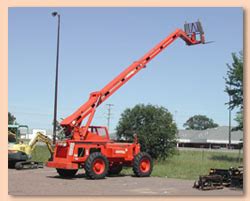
{"type": "Point", "coordinates": [229, 119]}
{"type": "Point", "coordinates": [54, 14]}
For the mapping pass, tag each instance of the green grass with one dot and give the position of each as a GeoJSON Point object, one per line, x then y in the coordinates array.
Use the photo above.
{"type": "Point", "coordinates": [40, 154]}
{"type": "Point", "coordinates": [191, 164]}
{"type": "Point", "coordinates": [184, 165]}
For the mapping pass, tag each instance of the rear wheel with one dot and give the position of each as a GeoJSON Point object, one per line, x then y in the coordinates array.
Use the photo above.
{"type": "Point", "coordinates": [66, 173]}
{"type": "Point", "coordinates": [115, 169]}
{"type": "Point", "coordinates": [143, 165]}
{"type": "Point", "coordinates": [96, 166]}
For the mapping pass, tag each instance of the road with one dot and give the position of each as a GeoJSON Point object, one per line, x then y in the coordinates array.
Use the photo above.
{"type": "Point", "coordinates": [45, 181]}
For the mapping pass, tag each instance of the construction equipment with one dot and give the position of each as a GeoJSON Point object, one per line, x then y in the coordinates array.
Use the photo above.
{"type": "Point", "coordinates": [220, 178]}
{"type": "Point", "coordinates": [209, 182]}
{"type": "Point", "coordinates": [224, 173]}
{"type": "Point", "coordinates": [14, 137]}
{"type": "Point", "coordinates": [232, 177]}
{"type": "Point", "coordinates": [14, 132]}
{"type": "Point", "coordinates": [237, 177]}
{"type": "Point", "coordinates": [90, 147]}
{"type": "Point", "coordinates": [19, 155]}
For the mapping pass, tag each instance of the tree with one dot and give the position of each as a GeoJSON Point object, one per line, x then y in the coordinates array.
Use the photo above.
{"type": "Point", "coordinates": [234, 87]}
{"type": "Point", "coordinates": [60, 135]}
{"type": "Point", "coordinates": [199, 122]}
{"type": "Point", "coordinates": [11, 121]}
{"type": "Point", "coordinates": [154, 127]}
{"type": "Point", "coordinates": [239, 120]}
{"type": "Point", "coordinates": [11, 118]}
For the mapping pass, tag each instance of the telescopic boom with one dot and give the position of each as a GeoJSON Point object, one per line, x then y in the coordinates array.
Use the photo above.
{"type": "Point", "coordinates": [193, 34]}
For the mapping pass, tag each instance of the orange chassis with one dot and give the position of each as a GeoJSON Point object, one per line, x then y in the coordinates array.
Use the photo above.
{"type": "Point", "coordinates": [72, 154]}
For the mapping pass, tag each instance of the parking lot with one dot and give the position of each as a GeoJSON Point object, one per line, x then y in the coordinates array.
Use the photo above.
{"type": "Point", "coordinates": [46, 181]}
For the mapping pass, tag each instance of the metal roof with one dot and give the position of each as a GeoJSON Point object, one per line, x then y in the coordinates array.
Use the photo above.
{"type": "Point", "coordinates": [212, 135]}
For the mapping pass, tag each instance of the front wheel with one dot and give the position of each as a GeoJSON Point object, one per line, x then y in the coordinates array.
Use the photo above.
{"type": "Point", "coordinates": [66, 173]}
{"type": "Point", "coordinates": [143, 165]}
{"type": "Point", "coordinates": [96, 166]}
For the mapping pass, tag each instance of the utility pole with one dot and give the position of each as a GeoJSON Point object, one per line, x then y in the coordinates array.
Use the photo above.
{"type": "Point", "coordinates": [109, 114]}
{"type": "Point", "coordinates": [229, 119]}
{"type": "Point", "coordinates": [54, 14]}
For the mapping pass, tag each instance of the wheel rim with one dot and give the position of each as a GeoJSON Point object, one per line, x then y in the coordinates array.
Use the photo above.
{"type": "Point", "coordinates": [98, 166]}
{"type": "Point", "coordinates": [145, 165]}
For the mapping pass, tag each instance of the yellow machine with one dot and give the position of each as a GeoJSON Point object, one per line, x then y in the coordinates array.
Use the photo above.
{"type": "Point", "coordinates": [19, 155]}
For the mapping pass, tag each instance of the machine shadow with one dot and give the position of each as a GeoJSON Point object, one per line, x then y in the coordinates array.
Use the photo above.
{"type": "Point", "coordinates": [80, 176]}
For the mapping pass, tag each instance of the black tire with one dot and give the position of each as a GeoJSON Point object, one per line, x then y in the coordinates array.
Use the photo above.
{"type": "Point", "coordinates": [66, 173]}
{"type": "Point", "coordinates": [115, 170]}
{"type": "Point", "coordinates": [91, 171]}
{"type": "Point", "coordinates": [19, 165]}
{"type": "Point", "coordinates": [138, 159]}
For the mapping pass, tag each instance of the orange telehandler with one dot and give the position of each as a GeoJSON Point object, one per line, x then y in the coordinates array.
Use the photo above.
{"type": "Point", "coordinates": [90, 147]}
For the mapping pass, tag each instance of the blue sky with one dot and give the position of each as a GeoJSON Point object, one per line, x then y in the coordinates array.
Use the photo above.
{"type": "Point", "coordinates": [98, 43]}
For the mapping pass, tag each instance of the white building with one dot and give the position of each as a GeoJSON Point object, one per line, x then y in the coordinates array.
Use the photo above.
{"type": "Point", "coordinates": [209, 138]}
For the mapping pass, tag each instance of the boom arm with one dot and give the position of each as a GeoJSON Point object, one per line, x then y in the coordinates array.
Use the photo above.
{"type": "Point", "coordinates": [73, 122]}
{"type": "Point", "coordinates": [39, 137]}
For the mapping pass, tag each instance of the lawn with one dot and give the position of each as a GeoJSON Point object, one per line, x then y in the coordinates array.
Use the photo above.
{"type": "Point", "coordinates": [186, 164]}
{"type": "Point", "coordinates": [191, 164]}
{"type": "Point", "coordinates": [40, 154]}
